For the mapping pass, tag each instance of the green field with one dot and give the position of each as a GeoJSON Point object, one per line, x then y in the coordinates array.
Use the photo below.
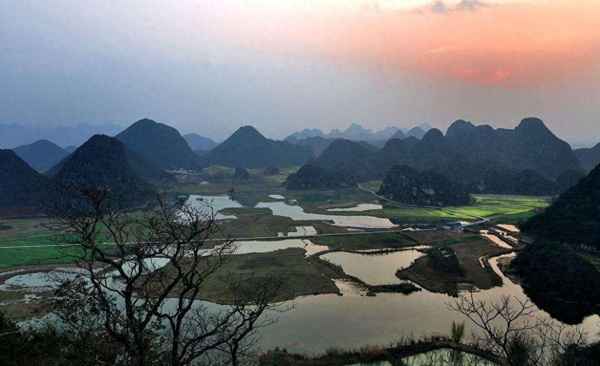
{"type": "Point", "coordinates": [259, 222]}
{"type": "Point", "coordinates": [507, 209]}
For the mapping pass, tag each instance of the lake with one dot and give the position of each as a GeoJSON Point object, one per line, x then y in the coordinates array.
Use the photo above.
{"type": "Point", "coordinates": [282, 208]}
{"type": "Point", "coordinates": [374, 269]}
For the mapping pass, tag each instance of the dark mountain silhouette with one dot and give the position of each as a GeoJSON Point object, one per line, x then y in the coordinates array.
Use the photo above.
{"type": "Point", "coordinates": [407, 185]}
{"type": "Point", "coordinates": [248, 148]}
{"type": "Point", "coordinates": [526, 160]}
{"type": "Point", "coordinates": [555, 270]}
{"type": "Point", "coordinates": [160, 145]}
{"type": "Point", "coordinates": [141, 167]}
{"type": "Point", "coordinates": [569, 179]}
{"type": "Point", "coordinates": [103, 162]}
{"type": "Point", "coordinates": [574, 217]}
{"type": "Point", "coordinates": [312, 176]}
{"type": "Point", "coordinates": [199, 143]}
{"type": "Point", "coordinates": [344, 160]}
{"type": "Point", "coordinates": [589, 158]}
{"type": "Point", "coordinates": [22, 189]}
{"type": "Point", "coordinates": [41, 155]}
{"type": "Point", "coordinates": [349, 159]}
{"type": "Point", "coordinates": [530, 146]}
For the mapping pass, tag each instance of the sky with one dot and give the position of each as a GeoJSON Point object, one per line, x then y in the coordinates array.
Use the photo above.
{"type": "Point", "coordinates": [211, 66]}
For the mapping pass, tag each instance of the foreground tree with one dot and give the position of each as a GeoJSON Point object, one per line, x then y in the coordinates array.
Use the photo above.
{"type": "Point", "coordinates": [141, 276]}
{"type": "Point", "coordinates": [511, 330]}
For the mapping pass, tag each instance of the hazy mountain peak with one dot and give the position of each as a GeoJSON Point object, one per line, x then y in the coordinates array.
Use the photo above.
{"type": "Point", "coordinates": [248, 148]}
{"type": "Point", "coordinates": [41, 155]}
{"type": "Point", "coordinates": [532, 125]}
{"type": "Point", "coordinates": [433, 136]}
{"type": "Point", "coordinates": [103, 161]}
{"type": "Point", "coordinates": [247, 132]}
{"type": "Point", "coordinates": [417, 132]}
{"type": "Point", "coordinates": [145, 121]}
{"type": "Point", "coordinates": [198, 142]}
{"type": "Point", "coordinates": [160, 144]}
{"type": "Point", "coordinates": [355, 127]}
{"type": "Point", "coordinates": [461, 123]}
{"type": "Point", "coordinates": [398, 135]}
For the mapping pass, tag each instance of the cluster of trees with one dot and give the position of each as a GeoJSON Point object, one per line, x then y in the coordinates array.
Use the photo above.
{"type": "Point", "coordinates": [407, 185]}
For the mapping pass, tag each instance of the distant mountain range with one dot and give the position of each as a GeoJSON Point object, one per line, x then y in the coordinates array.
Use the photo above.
{"type": "Point", "coordinates": [248, 148]}
{"type": "Point", "coordinates": [13, 135]}
{"type": "Point", "coordinates": [315, 144]}
{"type": "Point", "coordinates": [199, 143]}
{"type": "Point", "coordinates": [159, 144]}
{"type": "Point", "coordinates": [526, 160]}
{"type": "Point", "coordinates": [41, 155]}
{"type": "Point", "coordinates": [356, 132]}
{"type": "Point", "coordinates": [589, 158]}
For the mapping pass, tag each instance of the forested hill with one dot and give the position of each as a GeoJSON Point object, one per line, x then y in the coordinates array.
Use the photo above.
{"type": "Point", "coordinates": [22, 189]}
{"type": "Point", "coordinates": [406, 185]}
{"type": "Point", "coordinates": [41, 155]}
{"type": "Point", "coordinates": [589, 158]}
{"type": "Point", "coordinates": [248, 148]}
{"type": "Point", "coordinates": [102, 162]}
{"type": "Point", "coordinates": [159, 144]}
{"type": "Point", "coordinates": [574, 217]}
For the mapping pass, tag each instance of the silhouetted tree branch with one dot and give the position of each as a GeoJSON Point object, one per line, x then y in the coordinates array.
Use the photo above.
{"type": "Point", "coordinates": [142, 276]}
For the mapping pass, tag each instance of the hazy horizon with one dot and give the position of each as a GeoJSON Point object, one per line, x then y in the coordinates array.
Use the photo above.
{"type": "Point", "coordinates": [283, 66]}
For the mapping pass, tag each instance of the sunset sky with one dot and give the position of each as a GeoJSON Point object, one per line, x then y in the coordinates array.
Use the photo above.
{"type": "Point", "coordinates": [211, 66]}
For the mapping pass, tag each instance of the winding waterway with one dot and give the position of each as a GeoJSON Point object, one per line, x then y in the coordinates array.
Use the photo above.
{"type": "Point", "coordinates": [317, 323]}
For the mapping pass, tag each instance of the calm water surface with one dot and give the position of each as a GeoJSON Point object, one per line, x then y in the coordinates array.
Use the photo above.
{"type": "Point", "coordinates": [374, 269]}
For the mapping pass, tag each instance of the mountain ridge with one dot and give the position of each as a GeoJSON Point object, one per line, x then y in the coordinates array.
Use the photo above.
{"type": "Point", "coordinates": [248, 148]}
{"type": "Point", "coordinates": [41, 155]}
{"type": "Point", "coordinates": [159, 144]}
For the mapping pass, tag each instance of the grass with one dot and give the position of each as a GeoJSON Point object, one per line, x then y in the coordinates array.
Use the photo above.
{"type": "Point", "coordinates": [299, 276]}
{"type": "Point", "coordinates": [509, 209]}
{"type": "Point", "coordinates": [360, 242]}
{"type": "Point", "coordinates": [319, 200]}
{"type": "Point", "coordinates": [27, 232]}
{"type": "Point", "coordinates": [255, 222]}
{"type": "Point", "coordinates": [468, 250]}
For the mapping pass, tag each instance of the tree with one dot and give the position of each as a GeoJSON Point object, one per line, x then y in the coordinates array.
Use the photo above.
{"type": "Point", "coordinates": [142, 275]}
{"type": "Point", "coordinates": [510, 330]}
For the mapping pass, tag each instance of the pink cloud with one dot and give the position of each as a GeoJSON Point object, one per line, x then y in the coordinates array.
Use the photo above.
{"type": "Point", "coordinates": [511, 45]}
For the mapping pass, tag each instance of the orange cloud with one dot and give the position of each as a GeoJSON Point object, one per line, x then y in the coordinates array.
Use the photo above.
{"type": "Point", "coordinates": [504, 44]}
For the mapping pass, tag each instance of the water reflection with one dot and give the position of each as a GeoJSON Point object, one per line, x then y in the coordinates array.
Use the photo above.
{"type": "Point", "coordinates": [358, 208]}
{"type": "Point", "coordinates": [320, 322]}
{"type": "Point", "coordinates": [374, 269]}
{"type": "Point", "coordinates": [296, 212]}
